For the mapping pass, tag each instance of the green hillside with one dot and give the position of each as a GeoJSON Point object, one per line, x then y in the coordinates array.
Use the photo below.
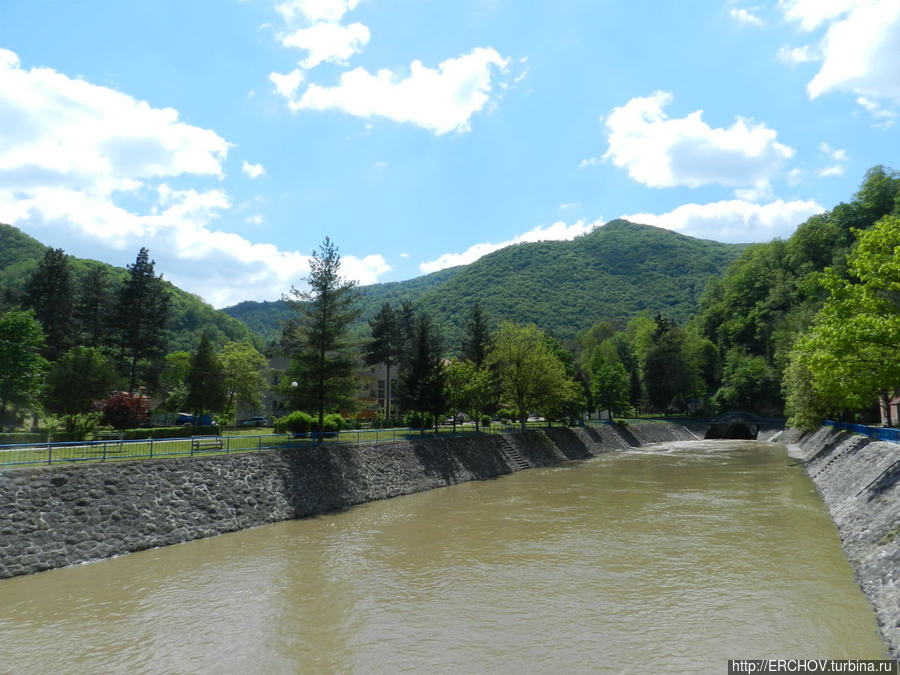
{"type": "Point", "coordinates": [614, 273]}
{"type": "Point", "coordinates": [189, 315]}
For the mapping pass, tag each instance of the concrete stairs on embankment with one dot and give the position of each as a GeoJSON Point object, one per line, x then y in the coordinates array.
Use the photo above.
{"type": "Point", "coordinates": [515, 460]}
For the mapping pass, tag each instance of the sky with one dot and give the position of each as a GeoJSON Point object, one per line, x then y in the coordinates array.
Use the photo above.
{"type": "Point", "coordinates": [230, 137]}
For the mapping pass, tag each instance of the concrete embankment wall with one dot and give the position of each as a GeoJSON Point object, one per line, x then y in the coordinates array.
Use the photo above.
{"type": "Point", "coordinates": [67, 514]}
{"type": "Point", "coordinates": [859, 481]}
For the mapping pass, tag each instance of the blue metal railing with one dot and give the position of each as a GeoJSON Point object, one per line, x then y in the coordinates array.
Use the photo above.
{"type": "Point", "coordinates": [878, 433]}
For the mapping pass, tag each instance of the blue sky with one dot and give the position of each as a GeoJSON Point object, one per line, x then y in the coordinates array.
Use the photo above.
{"type": "Point", "coordinates": [231, 136]}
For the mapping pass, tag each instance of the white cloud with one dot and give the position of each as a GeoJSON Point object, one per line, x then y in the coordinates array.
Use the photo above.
{"type": "Point", "coordinates": [328, 42]}
{"type": "Point", "coordinates": [254, 220]}
{"type": "Point", "coordinates": [555, 232]}
{"type": "Point", "coordinates": [85, 168]}
{"type": "Point", "coordinates": [570, 205]}
{"type": "Point", "coordinates": [288, 83]}
{"type": "Point", "coordinates": [877, 111]}
{"type": "Point", "coordinates": [734, 221]}
{"type": "Point", "coordinates": [743, 16]}
{"type": "Point", "coordinates": [859, 51]}
{"type": "Point", "coordinates": [590, 161]}
{"type": "Point", "coordinates": [316, 10]}
{"type": "Point", "coordinates": [662, 152]}
{"type": "Point", "coordinates": [811, 14]}
{"type": "Point", "coordinates": [804, 54]}
{"type": "Point", "coordinates": [441, 100]}
{"type": "Point", "coordinates": [834, 170]}
{"type": "Point", "coordinates": [253, 170]}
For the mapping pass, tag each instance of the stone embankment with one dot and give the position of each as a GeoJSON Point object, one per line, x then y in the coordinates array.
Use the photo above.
{"type": "Point", "coordinates": [67, 514]}
{"type": "Point", "coordinates": [859, 481]}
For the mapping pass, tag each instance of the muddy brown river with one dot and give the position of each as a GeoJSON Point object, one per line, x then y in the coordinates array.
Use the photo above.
{"type": "Point", "coordinates": [669, 558]}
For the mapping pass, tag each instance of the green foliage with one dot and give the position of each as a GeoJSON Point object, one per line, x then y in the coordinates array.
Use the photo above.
{"type": "Point", "coordinates": [297, 422]}
{"type": "Point", "coordinates": [333, 422]}
{"type": "Point", "coordinates": [323, 363]}
{"type": "Point", "coordinates": [477, 338]}
{"type": "Point", "coordinates": [75, 380]}
{"type": "Point", "coordinates": [748, 383]}
{"type": "Point", "coordinates": [206, 386]}
{"type": "Point", "coordinates": [768, 297]}
{"type": "Point", "coordinates": [851, 349]}
{"type": "Point", "coordinates": [386, 346]}
{"type": "Point", "coordinates": [141, 313]}
{"type": "Point", "coordinates": [486, 421]}
{"type": "Point", "coordinates": [423, 375]}
{"type": "Point", "coordinates": [614, 273]}
{"type": "Point", "coordinates": [531, 376]}
{"type": "Point", "coordinates": [21, 365]}
{"type": "Point", "coordinates": [49, 293]}
{"type": "Point", "coordinates": [609, 381]}
{"type": "Point", "coordinates": [244, 370]}
{"type": "Point", "coordinates": [468, 388]}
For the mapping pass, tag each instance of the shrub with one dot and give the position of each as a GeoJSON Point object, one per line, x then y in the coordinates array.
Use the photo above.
{"type": "Point", "coordinates": [123, 410]}
{"type": "Point", "coordinates": [486, 421]}
{"type": "Point", "coordinates": [417, 420]}
{"type": "Point", "coordinates": [297, 422]}
{"type": "Point", "coordinates": [333, 422]}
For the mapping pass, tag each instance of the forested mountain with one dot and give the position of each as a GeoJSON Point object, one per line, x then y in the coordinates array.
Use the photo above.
{"type": "Point", "coordinates": [189, 315]}
{"type": "Point", "coordinates": [614, 273]}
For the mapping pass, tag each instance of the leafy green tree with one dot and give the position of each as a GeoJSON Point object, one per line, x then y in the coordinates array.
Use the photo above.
{"type": "Point", "coordinates": [77, 378]}
{"type": "Point", "coordinates": [610, 383]}
{"type": "Point", "coordinates": [141, 315]}
{"type": "Point", "coordinates": [324, 365]}
{"type": "Point", "coordinates": [245, 370]}
{"type": "Point", "coordinates": [667, 373]}
{"type": "Point", "coordinates": [49, 293]}
{"type": "Point", "coordinates": [205, 381]}
{"type": "Point", "coordinates": [21, 365]}
{"type": "Point", "coordinates": [531, 376]}
{"type": "Point", "coordinates": [748, 383]}
{"type": "Point", "coordinates": [804, 407]}
{"type": "Point", "coordinates": [468, 389]}
{"type": "Point", "coordinates": [422, 381]}
{"type": "Point", "coordinates": [173, 380]}
{"type": "Point", "coordinates": [851, 349]}
{"type": "Point", "coordinates": [385, 347]}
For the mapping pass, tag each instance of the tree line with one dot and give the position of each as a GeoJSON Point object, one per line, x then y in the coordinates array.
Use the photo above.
{"type": "Point", "coordinates": [94, 351]}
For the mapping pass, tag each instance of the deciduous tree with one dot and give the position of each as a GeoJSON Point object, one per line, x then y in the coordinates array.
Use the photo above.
{"type": "Point", "coordinates": [77, 378]}
{"type": "Point", "coordinates": [21, 365]}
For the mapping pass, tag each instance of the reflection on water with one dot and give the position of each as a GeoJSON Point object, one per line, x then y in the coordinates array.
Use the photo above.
{"type": "Point", "coordinates": [674, 557]}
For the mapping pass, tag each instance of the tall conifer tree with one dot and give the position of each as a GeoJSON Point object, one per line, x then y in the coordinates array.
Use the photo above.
{"type": "Point", "coordinates": [323, 365]}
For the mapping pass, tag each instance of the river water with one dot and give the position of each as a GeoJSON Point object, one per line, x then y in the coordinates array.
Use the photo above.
{"type": "Point", "coordinates": [670, 558]}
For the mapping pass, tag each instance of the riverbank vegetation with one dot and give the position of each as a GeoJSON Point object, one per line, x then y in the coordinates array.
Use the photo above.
{"type": "Point", "coordinates": [628, 319]}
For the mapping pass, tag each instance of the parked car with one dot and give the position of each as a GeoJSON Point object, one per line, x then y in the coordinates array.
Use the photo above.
{"type": "Point", "coordinates": [256, 422]}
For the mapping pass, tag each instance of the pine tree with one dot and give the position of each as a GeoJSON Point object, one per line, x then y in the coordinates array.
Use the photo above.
{"type": "Point", "coordinates": [205, 381]}
{"type": "Point", "coordinates": [142, 311]}
{"type": "Point", "coordinates": [476, 342]}
{"type": "Point", "coordinates": [323, 364]}
{"type": "Point", "coordinates": [92, 307]}
{"type": "Point", "coordinates": [49, 293]}
{"type": "Point", "coordinates": [423, 379]}
{"type": "Point", "coordinates": [384, 347]}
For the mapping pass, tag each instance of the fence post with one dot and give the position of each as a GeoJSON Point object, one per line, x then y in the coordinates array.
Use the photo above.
{"type": "Point", "coordinates": [49, 452]}
{"type": "Point", "coordinates": [258, 443]}
{"type": "Point", "coordinates": [104, 452]}
{"type": "Point", "coordinates": [151, 447]}
{"type": "Point", "coordinates": [227, 444]}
